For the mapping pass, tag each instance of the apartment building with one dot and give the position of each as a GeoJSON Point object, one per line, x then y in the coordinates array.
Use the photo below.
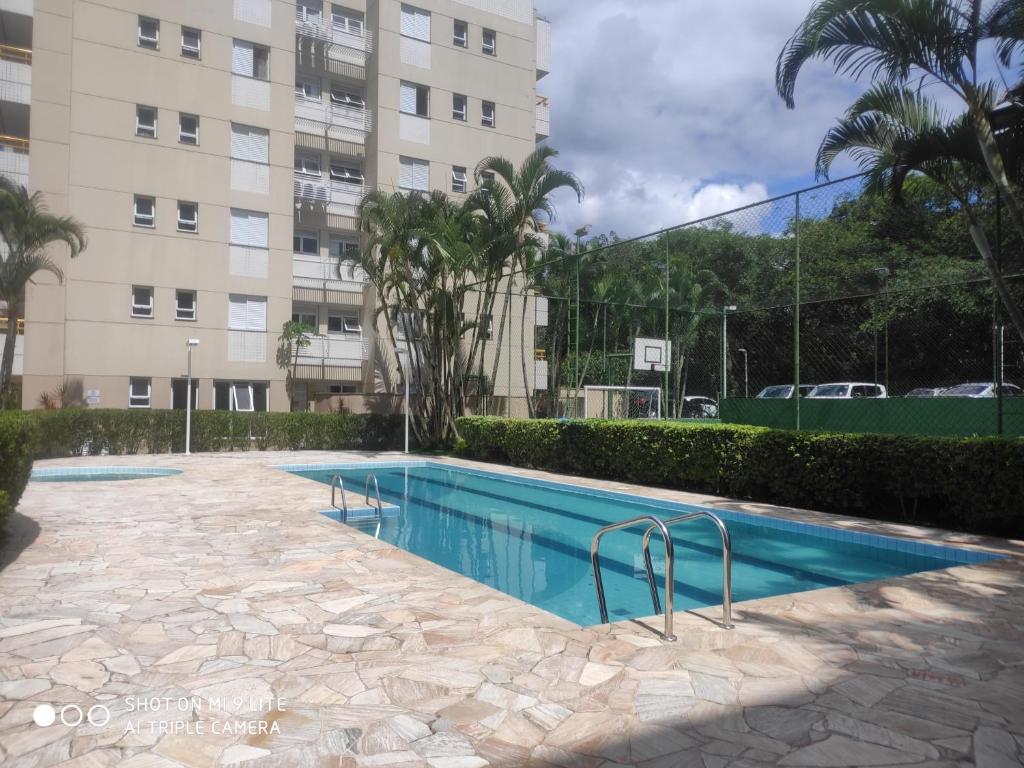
{"type": "Point", "coordinates": [217, 151]}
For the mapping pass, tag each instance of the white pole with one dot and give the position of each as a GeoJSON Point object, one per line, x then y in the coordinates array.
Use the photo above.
{"type": "Point", "coordinates": [725, 348]}
{"type": "Point", "coordinates": [188, 404]}
{"type": "Point", "coordinates": [405, 376]}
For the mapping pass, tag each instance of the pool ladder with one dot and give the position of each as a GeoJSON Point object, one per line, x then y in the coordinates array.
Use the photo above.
{"type": "Point", "coordinates": [338, 484]}
{"type": "Point", "coordinates": [657, 524]}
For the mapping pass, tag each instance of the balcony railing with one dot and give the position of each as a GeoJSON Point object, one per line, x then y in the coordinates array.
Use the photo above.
{"type": "Point", "coordinates": [347, 43]}
{"type": "Point", "coordinates": [347, 123]}
{"type": "Point", "coordinates": [15, 54]}
{"type": "Point", "coordinates": [15, 74]}
{"type": "Point", "coordinates": [543, 118]}
{"type": "Point", "coordinates": [14, 158]}
{"type": "Point", "coordinates": [347, 350]}
{"type": "Point", "coordinates": [5, 324]}
{"type": "Point", "coordinates": [343, 199]}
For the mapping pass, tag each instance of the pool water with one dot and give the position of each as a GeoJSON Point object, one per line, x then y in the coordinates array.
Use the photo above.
{"type": "Point", "coordinates": [96, 474]}
{"type": "Point", "coordinates": [531, 539]}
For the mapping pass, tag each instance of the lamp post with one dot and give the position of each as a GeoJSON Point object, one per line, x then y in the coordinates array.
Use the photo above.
{"type": "Point", "coordinates": [725, 347]}
{"type": "Point", "coordinates": [746, 377]}
{"type": "Point", "coordinates": [580, 233]}
{"type": "Point", "coordinates": [189, 345]}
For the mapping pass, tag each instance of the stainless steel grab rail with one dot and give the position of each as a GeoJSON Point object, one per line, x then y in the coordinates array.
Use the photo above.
{"type": "Point", "coordinates": [338, 483]}
{"type": "Point", "coordinates": [726, 562]}
{"type": "Point", "coordinates": [595, 561]}
{"type": "Point", "coordinates": [376, 488]}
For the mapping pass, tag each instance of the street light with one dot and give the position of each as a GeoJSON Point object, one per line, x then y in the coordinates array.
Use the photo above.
{"type": "Point", "coordinates": [190, 344]}
{"type": "Point", "coordinates": [725, 347]}
{"type": "Point", "coordinates": [746, 377]}
{"type": "Point", "coordinates": [580, 233]}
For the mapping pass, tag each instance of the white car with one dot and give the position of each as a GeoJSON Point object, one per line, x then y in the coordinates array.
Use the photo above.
{"type": "Point", "coordinates": [847, 390]}
{"type": "Point", "coordinates": [980, 389]}
{"type": "Point", "coordinates": [699, 407]}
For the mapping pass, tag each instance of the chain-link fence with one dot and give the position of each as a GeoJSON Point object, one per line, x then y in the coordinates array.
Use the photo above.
{"type": "Point", "coordinates": [729, 316]}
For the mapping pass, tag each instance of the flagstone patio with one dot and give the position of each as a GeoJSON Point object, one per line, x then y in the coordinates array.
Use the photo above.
{"type": "Point", "coordinates": [220, 620]}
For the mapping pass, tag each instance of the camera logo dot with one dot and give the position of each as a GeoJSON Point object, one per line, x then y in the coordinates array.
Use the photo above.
{"type": "Point", "coordinates": [44, 715]}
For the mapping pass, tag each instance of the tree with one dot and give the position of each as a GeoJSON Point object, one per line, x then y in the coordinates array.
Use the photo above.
{"type": "Point", "coordinates": [28, 230]}
{"type": "Point", "coordinates": [294, 337]}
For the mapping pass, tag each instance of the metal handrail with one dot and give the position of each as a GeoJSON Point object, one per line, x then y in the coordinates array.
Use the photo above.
{"type": "Point", "coordinates": [726, 562]}
{"type": "Point", "coordinates": [595, 561]}
{"type": "Point", "coordinates": [15, 53]}
{"type": "Point", "coordinates": [376, 488]}
{"type": "Point", "coordinates": [336, 483]}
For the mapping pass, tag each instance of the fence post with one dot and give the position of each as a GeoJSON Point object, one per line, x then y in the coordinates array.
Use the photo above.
{"type": "Point", "coordinates": [796, 322]}
{"type": "Point", "coordinates": [668, 352]}
{"type": "Point", "coordinates": [997, 326]}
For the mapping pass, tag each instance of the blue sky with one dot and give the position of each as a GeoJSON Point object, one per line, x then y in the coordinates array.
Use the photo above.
{"type": "Point", "coordinates": [667, 110]}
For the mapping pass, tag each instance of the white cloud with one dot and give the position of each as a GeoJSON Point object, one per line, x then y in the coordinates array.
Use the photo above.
{"type": "Point", "coordinates": [667, 110]}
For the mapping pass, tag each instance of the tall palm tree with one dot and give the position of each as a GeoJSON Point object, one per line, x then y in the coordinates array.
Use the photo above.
{"type": "Point", "coordinates": [27, 230]}
{"type": "Point", "coordinates": [935, 42]}
{"type": "Point", "coordinates": [517, 202]}
{"type": "Point", "coordinates": [892, 132]}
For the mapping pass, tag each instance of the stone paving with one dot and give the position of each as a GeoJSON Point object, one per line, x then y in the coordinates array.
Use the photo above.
{"type": "Point", "coordinates": [220, 620]}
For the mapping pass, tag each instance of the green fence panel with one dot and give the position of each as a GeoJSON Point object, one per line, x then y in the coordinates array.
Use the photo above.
{"type": "Point", "coordinates": [947, 417]}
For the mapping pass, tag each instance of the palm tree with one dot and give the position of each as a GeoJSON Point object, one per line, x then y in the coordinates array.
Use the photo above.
{"type": "Point", "coordinates": [893, 132]}
{"type": "Point", "coordinates": [517, 202]}
{"type": "Point", "coordinates": [27, 229]}
{"type": "Point", "coordinates": [294, 337]}
{"type": "Point", "coordinates": [935, 42]}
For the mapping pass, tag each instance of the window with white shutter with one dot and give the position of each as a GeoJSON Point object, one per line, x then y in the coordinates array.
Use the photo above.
{"type": "Point", "coordinates": [249, 228]}
{"type": "Point", "coordinates": [250, 143]}
{"type": "Point", "coordinates": [414, 99]}
{"type": "Point", "coordinates": [247, 313]}
{"type": "Point", "coordinates": [250, 60]}
{"type": "Point", "coordinates": [415, 23]}
{"type": "Point", "coordinates": [414, 174]}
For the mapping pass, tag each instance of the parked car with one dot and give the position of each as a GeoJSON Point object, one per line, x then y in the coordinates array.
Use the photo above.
{"type": "Point", "coordinates": [981, 389]}
{"type": "Point", "coordinates": [783, 392]}
{"type": "Point", "coordinates": [847, 390]}
{"type": "Point", "coordinates": [699, 407]}
{"type": "Point", "coordinates": [925, 392]}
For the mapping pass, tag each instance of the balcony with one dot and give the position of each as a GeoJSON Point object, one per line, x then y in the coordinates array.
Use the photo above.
{"type": "Point", "coordinates": [543, 29]}
{"type": "Point", "coordinates": [543, 118]}
{"type": "Point", "coordinates": [337, 46]}
{"type": "Point", "coordinates": [336, 121]}
{"type": "Point", "coordinates": [339, 198]}
{"type": "Point", "coordinates": [332, 358]}
{"type": "Point", "coordinates": [15, 74]}
{"type": "Point", "coordinates": [14, 159]}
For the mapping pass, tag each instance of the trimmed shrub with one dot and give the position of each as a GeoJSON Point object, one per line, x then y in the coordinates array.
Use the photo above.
{"type": "Point", "coordinates": [78, 431]}
{"type": "Point", "coordinates": [17, 439]}
{"type": "Point", "coordinates": [973, 484]}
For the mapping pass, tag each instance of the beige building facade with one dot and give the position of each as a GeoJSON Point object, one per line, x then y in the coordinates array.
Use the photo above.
{"type": "Point", "coordinates": [216, 152]}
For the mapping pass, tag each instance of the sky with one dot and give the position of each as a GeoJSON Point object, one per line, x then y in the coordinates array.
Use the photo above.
{"type": "Point", "coordinates": [667, 109]}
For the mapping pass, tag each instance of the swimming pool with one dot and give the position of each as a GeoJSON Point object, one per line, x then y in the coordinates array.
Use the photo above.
{"type": "Point", "coordinates": [531, 539]}
{"type": "Point", "coordinates": [96, 474]}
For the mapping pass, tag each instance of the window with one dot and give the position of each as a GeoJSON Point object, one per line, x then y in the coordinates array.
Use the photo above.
{"type": "Point", "coordinates": [179, 394]}
{"type": "Point", "coordinates": [240, 395]}
{"type": "Point", "coordinates": [306, 317]}
{"type": "Point", "coordinates": [490, 42]}
{"type": "Point", "coordinates": [343, 323]}
{"type": "Point", "coordinates": [308, 165]}
{"type": "Point", "coordinates": [145, 121]}
{"type": "Point", "coordinates": [188, 217]}
{"type": "Point", "coordinates": [415, 23]}
{"type": "Point", "coordinates": [342, 389]}
{"type": "Point", "coordinates": [347, 20]}
{"type": "Point", "coordinates": [414, 99]}
{"type": "Point", "coordinates": [345, 250]}
{"type": "Point", "coordinates": [250, 60]}
{"type": "Point", "coordinates": [310, 11]}
{"type": "Point", "coordinates": [248, 228]}
{"type": "Point", "coordinates": [334, 323]}
{"type": "Point", "coordinates": [184, 305]}
{"type": "Point", "coordinates": [149, 33]}
{"type": "Point", "coordinates": [304, 242]}
{"type": "Point", "coordinates": [191, 42]}
{"type": "Point", "coordinates": [342, 98]}
{"type": "Point", "coordinates": [142, 301]}
{"type": "Point", "coordinates": [139, 392]}
{"type": "Point", "coordinates": [460, 36]}
{"type": "Point", "coordinates": [458, 107]}
{"type": "Point", "coordinates": [249, 143]}
{"type": "Point", "coordinates": [487, 113]}
{"type": "Point", "coordinates": [414, 174]}
{"type": "Point", "coordinates": [307, 88]}
{"type": "Point", "coordinates": [347, 175]}
{"type": "Point", "coordinates": [188, 128]}
{"type": "Point", "coordinates": [458, 179]}
{"type": "Point", "coordinates": [144, 211]}
{"type": "Point", "coordinates": [247, 313]}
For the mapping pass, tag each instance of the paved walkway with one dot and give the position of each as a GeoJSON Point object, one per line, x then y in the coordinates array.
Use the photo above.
{"type": "Point", "coordinates": [218, 619]}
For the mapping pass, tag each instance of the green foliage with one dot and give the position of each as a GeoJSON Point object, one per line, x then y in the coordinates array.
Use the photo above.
{"type": "Point", "coordinates": [972, 485]}
{"type": "Point", "coordinates": [17, 437]}
{"type": "Point", "coordinates": [74, 431]}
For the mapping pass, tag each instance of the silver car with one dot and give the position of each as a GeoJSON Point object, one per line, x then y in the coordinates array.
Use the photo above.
{"type": "Point", "coordinates": [980, 389]}
{"type": "Point", "coordinates": [847, 390]}
{"type": "Point", "coordinates": [783, 392]}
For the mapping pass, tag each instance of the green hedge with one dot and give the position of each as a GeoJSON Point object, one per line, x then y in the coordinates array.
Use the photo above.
{"type": "Point", "coordinates": [73, 431]}
{"type": "Point", "coordinates": [17, 437]}
{"type": "Point", "coordinates": [964, 484]}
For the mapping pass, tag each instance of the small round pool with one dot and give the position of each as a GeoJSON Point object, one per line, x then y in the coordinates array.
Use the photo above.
{"type": "Point", "coordinates": [94, 474]}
